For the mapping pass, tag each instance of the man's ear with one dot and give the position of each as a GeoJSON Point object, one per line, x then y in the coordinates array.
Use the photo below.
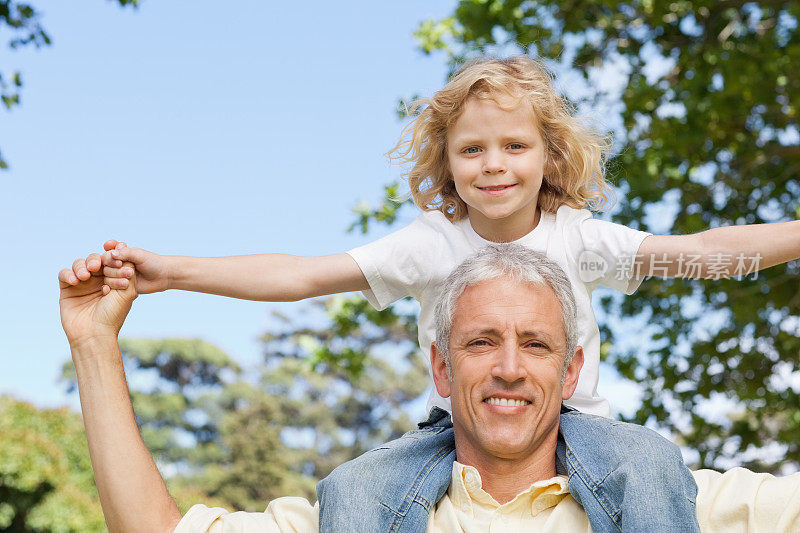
{"type": "Point", "coordinates": [573, 371]}
{"type": "Point", "coordinates": [441, 378]}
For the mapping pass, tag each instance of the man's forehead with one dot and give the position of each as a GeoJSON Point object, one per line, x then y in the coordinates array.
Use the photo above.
{"type": "Point", "coordinates": [497, 302]}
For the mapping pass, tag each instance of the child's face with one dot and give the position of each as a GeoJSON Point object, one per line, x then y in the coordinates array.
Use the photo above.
{"type": "Point", "coordinates": [497, 159]}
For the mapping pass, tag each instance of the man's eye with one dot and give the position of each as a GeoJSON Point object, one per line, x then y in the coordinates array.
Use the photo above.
{"type": "Point", "coordinates": [537, 345]}
{"type": "Point", "coordinates": [479, 342]}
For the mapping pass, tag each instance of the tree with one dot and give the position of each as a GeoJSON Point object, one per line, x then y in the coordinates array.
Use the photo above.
{"type": "Point", "coordinates": [23, 21]}
{"type": "Point", "coordinates": [710, 140]}
{"type": "Point", "coordinates": [347, 384]}
{"type": "Point", "coordinates": [322, 396]}
{"type": "Point", "coordinates": [46, 481]}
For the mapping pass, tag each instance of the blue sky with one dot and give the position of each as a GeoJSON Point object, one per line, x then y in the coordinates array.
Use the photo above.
{"type": "Point", "coordinates": [194, 128]}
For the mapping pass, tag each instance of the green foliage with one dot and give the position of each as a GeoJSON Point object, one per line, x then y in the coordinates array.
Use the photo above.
{"type": "Point", "coordinates": [251, 463]}
{"type": "Point", "coordinates": [385, 213]}
{"type": "Point", "coordinates": [716, 132]}
{"type": "Point", "coordinates": [46, 482]}
{"type": "Point", "coordinates": [23, 23]}
{"type": "Point", "coordinates": [324, 395]}
{"type": "Point", "coordinates": [346, 408]}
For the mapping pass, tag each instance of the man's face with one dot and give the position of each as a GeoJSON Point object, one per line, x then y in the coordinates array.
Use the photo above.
{"type": "Point", "coordinates": [507, 348]}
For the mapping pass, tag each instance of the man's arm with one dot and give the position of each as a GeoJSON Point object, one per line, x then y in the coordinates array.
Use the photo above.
{"type": "Point", "coordinates": [742, 500]}
{"type": "Point", "coordinates": [720, 252]}
{"type": "Point", "coordinates": [263, 277]}
{"type": "Point", "coordinates": [132, 493]}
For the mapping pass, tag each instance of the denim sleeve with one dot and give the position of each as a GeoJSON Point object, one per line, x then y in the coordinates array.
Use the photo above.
{"type": "Point", "coordinates": [627, 477]}
{"type": "Point", "coordinates": [391, 488]}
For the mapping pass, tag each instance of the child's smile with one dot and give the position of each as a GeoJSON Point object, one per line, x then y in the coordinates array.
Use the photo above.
{"type": "Point", "coordinates": [497, 190]}
{"type": "Point", "coordinates": [497, 158]}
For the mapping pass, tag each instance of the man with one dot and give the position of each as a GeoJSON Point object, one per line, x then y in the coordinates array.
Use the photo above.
{"type": "Point", "coordinates": [504, 354]}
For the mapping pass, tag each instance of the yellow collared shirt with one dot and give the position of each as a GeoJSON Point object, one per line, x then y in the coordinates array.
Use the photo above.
{"type": "Point", "coordinates": [733, 502]}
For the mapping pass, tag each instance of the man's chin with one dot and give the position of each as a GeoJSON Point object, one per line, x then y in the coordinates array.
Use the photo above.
{"type": "Point", "coordinates": [508, 444]}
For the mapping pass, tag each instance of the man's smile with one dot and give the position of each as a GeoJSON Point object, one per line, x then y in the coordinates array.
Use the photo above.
{"type": "Point", "coordinates": [506, 404]}
{"type": "Point", "coordinates": [505, 401]}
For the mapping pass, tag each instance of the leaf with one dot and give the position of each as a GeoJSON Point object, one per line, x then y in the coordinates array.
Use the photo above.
{"type": "Point", "coordinates": [703, 127]}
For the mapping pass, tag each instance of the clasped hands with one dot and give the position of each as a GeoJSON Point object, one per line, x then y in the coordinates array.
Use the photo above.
{"type": "Point", "coordinates": [96, 296]}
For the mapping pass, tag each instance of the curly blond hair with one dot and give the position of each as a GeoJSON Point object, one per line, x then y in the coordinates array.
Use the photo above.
{"type": "Point", "coordinates": [575, 153]}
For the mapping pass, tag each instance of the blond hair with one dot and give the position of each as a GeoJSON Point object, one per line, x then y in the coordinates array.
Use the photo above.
{"type": "Point", "coordinates": [575, 153]}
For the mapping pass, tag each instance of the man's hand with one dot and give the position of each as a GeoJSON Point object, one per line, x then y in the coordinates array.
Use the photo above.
{"type": "Point", "coordinates": [93, 306]}
{"type": "Point", "coordinates": [152, 269]}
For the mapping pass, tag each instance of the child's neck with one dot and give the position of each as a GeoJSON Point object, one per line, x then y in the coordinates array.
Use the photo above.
{"type": "Point", "coordinates": [508, 229]}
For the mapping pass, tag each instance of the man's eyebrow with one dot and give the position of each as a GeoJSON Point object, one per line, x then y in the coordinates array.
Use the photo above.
{"type": "Point", "coordinates": [527, 334]}
{"type": "Point", "coordinates": [483, 331]}
{"type": "Point", "coordinates": [535, 333]}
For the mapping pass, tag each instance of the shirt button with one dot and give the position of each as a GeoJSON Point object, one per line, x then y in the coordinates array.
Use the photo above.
{"type": "Point", "coordinates": [504, 518]}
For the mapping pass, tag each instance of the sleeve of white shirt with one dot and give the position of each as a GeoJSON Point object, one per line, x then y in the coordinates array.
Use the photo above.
{"type": "Point", "coordinates": [610, 247]}
{"type": "Point", "coordinates": [398, 265]}
{"type": "Point", "coordinates": [740, 501]}
{"type": "Point", "coordinates": [282, 515]}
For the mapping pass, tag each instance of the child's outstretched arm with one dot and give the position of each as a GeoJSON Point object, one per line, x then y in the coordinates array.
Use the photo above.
{"type": "Point", "coordinates": [720, 252]}
{"type": "Point", "coordinates": [267, 277]}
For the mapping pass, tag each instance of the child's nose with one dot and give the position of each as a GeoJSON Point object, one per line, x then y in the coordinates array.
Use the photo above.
{"type": "Point", "coordinates": [494, 163]}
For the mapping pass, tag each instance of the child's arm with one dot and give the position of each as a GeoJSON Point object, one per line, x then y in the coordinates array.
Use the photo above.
{"type": "Point", "coordinates": [720, 252]}
{"type": "Point", "coordinates": [268, 277]}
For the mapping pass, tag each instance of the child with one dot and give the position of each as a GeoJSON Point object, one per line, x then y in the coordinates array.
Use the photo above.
{"type": "Point", "coordinates": [498, 157]}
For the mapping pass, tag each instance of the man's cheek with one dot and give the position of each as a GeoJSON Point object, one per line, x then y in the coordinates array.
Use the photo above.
{"type": "Point", "coordinates": [460, 404]}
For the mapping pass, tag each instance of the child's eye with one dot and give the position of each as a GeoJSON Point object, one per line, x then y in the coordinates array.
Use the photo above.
{"type": "Point", "coordinates": [471, 150]}
{"type": "Point", "coordinates": [516, 146]}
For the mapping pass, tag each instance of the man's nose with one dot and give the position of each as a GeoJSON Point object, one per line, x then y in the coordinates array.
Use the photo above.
{"type": "Point", "coordinates": [494, 162]}
{"type": "Point", "coordinates": [507, 364]}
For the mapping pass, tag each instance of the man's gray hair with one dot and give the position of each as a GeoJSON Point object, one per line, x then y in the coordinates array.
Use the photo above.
{"type": "Point", "coordinates": [522, 265]}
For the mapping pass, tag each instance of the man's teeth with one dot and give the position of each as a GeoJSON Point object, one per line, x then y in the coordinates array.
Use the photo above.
{"type": "Point", "coordinates": [505, 402]}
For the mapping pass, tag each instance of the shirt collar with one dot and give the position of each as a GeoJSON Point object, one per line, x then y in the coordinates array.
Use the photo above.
{"type": "Point", "coordinates": [466, 491]}
{"type": "Point", "coordinates": [546, 219]}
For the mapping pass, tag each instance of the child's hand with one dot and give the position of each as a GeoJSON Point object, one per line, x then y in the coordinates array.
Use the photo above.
{"type": "Point", "coordinates": [152, 272]}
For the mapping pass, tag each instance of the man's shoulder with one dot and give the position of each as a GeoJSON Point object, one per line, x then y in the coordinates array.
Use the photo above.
{"type": "Point", "coordinates": [772, 503]}
{"type": "Point", "coordinates": [281, 515]}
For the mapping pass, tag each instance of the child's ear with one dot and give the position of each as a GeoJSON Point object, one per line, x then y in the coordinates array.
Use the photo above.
{"type": "Point", "coordinates": [441, 374]}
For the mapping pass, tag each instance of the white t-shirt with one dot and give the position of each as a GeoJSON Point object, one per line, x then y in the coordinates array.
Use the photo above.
{"type": "Point", "coordinates": [415, 260]}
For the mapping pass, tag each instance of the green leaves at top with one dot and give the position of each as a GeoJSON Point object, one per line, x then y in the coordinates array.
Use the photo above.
{"type": "Point", "coordinates": [710, 138]}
